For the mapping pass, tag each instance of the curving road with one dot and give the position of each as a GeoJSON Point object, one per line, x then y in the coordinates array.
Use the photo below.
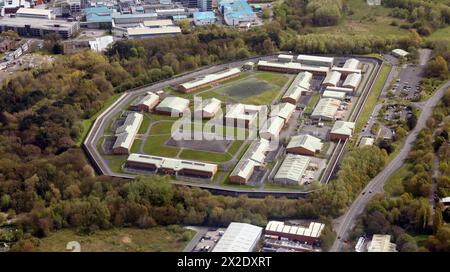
{"type": "Point", "coordinates": [376, 184]}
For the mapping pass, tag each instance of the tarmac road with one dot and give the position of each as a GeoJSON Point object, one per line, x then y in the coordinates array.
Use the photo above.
{"type": "Point", "coordinates": [346, 222]}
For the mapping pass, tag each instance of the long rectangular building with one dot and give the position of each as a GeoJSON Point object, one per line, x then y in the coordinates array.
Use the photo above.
{"type": "Point", "coordinates": [310, 234]}
{"type": "Point", "coordinates": [272, 128]}
{"type": "Point", "coordinates": [38, 27]}
{"type": "Point", "coordinates": [290, 67]}
{"type": "Point", "coordinates": [146, 103]}
{"type": "Point", "coordinates": [300, 84]}
{"type": "Point", "coordinates": [239, 237]}
{"type": "Point", "coordinates": [326, 109]}
{"type": "Point", "coordinates": [171, 166]}
{"type": "Point", "coordinates": [243, 115]}
{"type": "Point", "coordinates": [254, 157]}
{"type": "Point", "coordinates": [146, 32]}
{"type": "Point", "coordinates": [208, 80]}
{"type": "Point", "coordinates": [292, 169]}
{"type": "Point", "coordinates": [315, 60]}
{"type": "Point", "coordinates": [127, 132]}
{"type": "Point", "coordinates": [352, 81]}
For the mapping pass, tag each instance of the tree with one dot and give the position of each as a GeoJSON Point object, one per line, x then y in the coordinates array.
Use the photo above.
{"type": "Point", "coordinates": [155, 190]}
{"type": "Point", "coordinates": [437, 220]}
{"type": "Point", "coordinates": [437, 67]}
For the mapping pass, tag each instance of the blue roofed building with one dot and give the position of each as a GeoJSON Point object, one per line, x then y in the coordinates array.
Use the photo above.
{"type": "Point", "coordinates": [98, 17]}
{"type": "Point", "coordinates": [204, 18]}
{"type": "Point", "coordinates": [236, 12]}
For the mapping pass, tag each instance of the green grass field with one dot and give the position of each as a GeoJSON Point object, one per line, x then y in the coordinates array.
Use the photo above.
{"type": "Point", "coordinates": [145, 123]}
{"type": "Point", "coordinates": [135, 146]}
{"type": "Point", "coordinates": [315, 97]}
{"type": "Point", "coordinates": [155, 146]}
{"type": "Point", "coordinates": [115, 162]}
{"type": "Point", "coordinates": [442, 34]}
{"type": "Point", "coordinates": [373, 97]}
{"type": "Point", "coordinates": [162, 128]}
{"type": "Point", "coordinates": [158, 239]}
{"type": "Point", "coordinates": [206, 156]}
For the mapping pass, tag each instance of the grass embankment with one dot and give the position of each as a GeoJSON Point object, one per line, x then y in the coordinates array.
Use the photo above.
{"type": "Point", "coordinates": [172, 238]}
{"type": "Point", "coordinates": [373, 97]}
{"type": "Point", "coordinates": [87, 123]}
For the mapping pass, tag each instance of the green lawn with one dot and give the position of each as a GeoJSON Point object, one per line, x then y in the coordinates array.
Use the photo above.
{"type": "Point", "coordinates": [206, 156]}
{"type": "Point", "coordinates": [87, 123]}
{"type": "Point", "coordinates": [158, 239]}
{"type": "Point", "coordinates": [161, 128]}
{"type": "Point", "coordinates": [442, 34]}
{"type": "Point", "coordinates": [394, 184]}
{"type": "Point", "coordinates": [115, 162]}
{"type": "Point", "coordinates": [144, 125]}
{"type": "Point", "coordinates": [136, 145]}
{"type": "Point", "coordinates": [373, 97]}
{"type": "Point", "coordinates": [315, 97]}
{"type": "Point", "coordinates": [155, 146]}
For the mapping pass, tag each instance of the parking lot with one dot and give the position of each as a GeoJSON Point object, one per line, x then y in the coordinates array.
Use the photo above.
{"type": "Point", "coordinates": [209, 240]}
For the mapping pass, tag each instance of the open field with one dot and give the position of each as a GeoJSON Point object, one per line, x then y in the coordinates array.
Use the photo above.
{"type": "Point", "coordinates": [145, 124]}
{"type": "Point", "coordinates": [158, 239]}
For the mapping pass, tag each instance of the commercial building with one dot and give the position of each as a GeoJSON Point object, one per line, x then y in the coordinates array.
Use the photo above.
{"type": "Point", "coordinates": [208, 108]}
{"type": "Point", "coordinates": [97, 17]}
{"type": "Point", "coordinates": [310, 234]}
{"type": "Point", "coordinates": [366, 141]}
{"type": "Point", "coordinates": [243, 115]}
{"type": "Point", "coordinates": [120, 19]}
{"type": "Point", "coordinates": [304, 145]}
{"type": "Point", "coordinates": [239, 237]}
{"type": "Point", "coordinates": [332, 79]}
{"type": "Point", "coordinates": [315, 60]}
{"type": "Point", "coordinates": [252, 159]}
{"type": "Point", "coordinates": [204, 18]}
{"type": "Point", "coordinates": [208, 80]}
{"type": "Point", "coordinates": [400, 53]}
{"type": "Point", "coordinates": [334, 94]}
{"type": "Point", "coordinates": [381, 243]}
{"type": "Point", "coordinates": [171, 166]}
{"type": "Point", "coordinates": [300, 84]}
{"type": "Point", "coordinates": [283, 110]}
{"type": "Point", "coordinates": [126, 133]}
{"type": "Point", "coordinates": [290, 67]}
{"type": "Point", "coordinates": [100, 44]}
{"type": "Point", "coordinates": [236, 12]}
{"type": "Point", "coordinates": [272, 128]}
{"type": "Point", "coordinates": [45, 14]}
{"type": "Point", "coordinates": [326, 109]}
{"type": "Point", "coordinates": [352, 81]}
{"type": "Point", "coordinates": [342, 130]}
{"type": "Point", "coordinates": [158, 23]}
{"type": "Point", "coordinates": [11, 6]}
{"type": "Point", "coordinates": [147, 32]}
{"type": "Point", "coordinates": [173, 106]}
{"type": "Point", "coordinates": [285, 58]}
{"type": "Point", "coordinates": [146, 103]}
{"type": "Point", "coordinates": [292, 170]}
{"type": "Point", "coordinates": [33, 27]}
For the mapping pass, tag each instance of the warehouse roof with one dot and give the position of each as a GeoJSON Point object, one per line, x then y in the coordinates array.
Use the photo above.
{"type": "Point", "coordinates": [333, 94]}
{"type": "Point", "coordinates": [293, 65]}
{"type": "Point", "coordinates": [332, 77]}
{"type": "Point", "coordinates": [172, 163]}
{"type": "Point", "coordinates": [34, 11]}
{"type": "Point", "coordinates": [314, 58]}
{"type": "Point", "coordinates": [313, 230]}
{"type": "Point", "coordinates": [239, 237]}
{"type": "Point", "coordinates": [300, 84]}
{"type": "Point", "coordinates": [351, 64]}
{"type": "Point", "coordinates": [158, 23]}
{"type": "Point", "coordinates": [101, 14]}
{"type": "Point", "coordinates": [327, 108]}
{"type": "Point", "coordinates": [381, 243]}
{"type": "Point", "coordinates": [254, 156]}
{"type": "Point", "coordinates": [126, 132]}
{"type": "Point", "coordinates": [352, 80]}
{"type": "Point", "coordinates": [293, 167]}
{"type": "Point", "coordinates": [307, 142]}
{"type": "Point", "coordinates": [400, 52]}
{"type": "Point", "coordinates": [283, 110]}
{"type": "Point", "coordinates": [146, 100]}
{"type": "Point", "coordinates": [343, 127]}
{"type": "Point", "coordinates": [339, 89]}
{"type": "Point", "coordinates": [273, 126]}
{"type": "Point", "coordinates": [172, 103]}
{"type": "Point", "coordinates": [210, 78]}
{"type": "Point", "coordinates": [137, 31]}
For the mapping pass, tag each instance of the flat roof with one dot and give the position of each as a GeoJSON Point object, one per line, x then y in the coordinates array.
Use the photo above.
{"type": "Point", "coordinates": [137, 31]}
{"type": "Point", "coordinates": [204, 15]}
{"type": "Point", "coordinates": [293, 65]}
{"type": "Point", "coordinates": [210, 78]}
{"type": "Point", "coordinates": [315, 58]}
{"type": "Point", "coordinates": [34, 11]}
{"type": "Point", "coordinates": [292, 168]}
{"type": "Point", "coordinates": [37, 23]}
{"type": "Point", "coordinates": [400, 52]}
{"type": "Point", "coordinates": [314, 229]}
{"type": "Point", "coordinates": [366, 141]}
{"type": "Point", "coordinates": [339, 89]}
{"type": "Point", "coordinates": [172, 163]}
{"type": "Point", "coordinates": [158, 23]}
{"type": "Point", "coordinates": [239, 237]}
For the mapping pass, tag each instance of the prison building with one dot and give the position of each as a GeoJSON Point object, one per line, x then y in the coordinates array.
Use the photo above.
{"type": "Point", "coordinates": [304, 145]}
{"type": "Point", "coordinates": [208, 108]}
{"type": "Point", "coordinates": [285, 58]}
{"type": "Point", "coordinates": [290, 67]}
{"type": "Point", "coordinates": [126, 133]}
{"type": "Point", "coordinates": [340, 89]}
{"type": "Point", "coordinates": [292, 170]}
{"type": "Point", "coordinates": [239, 237]}
{"type": "Point", "coordinates": [252, 159]}
{"type": "Point", "coordinates": [171, 166]}
{"type": "Point", "coordinates": [283, 110]}
{"type": "Point", "coordinates": [352, 81]}
{"type": "Point", "coordinates": [272, 128]}
{"type": "Point", "coordinates": [332, 79]}
{"type": "Point", "coordinates": [208, 80]}
{"type": "Point", "coordinates": [342, 130]}
{"type": "Point", "coordinates": [305, 234]}
{"type": "Point", "coordinates": [243, 115]}
{"type": "Point", "coordinates": [173, 106]}
{"type": "Point", "coordinates": [315, 60]}
{"type": "Point", "coordinates": [334, 94]}
{"type": "Point", "coordinates": [326, 109]}
{"type": "Point", "coordinates": [350, 66]}
{"type": "Point", "coordinates": [301, 83]}
{"type": "Point", "coordinates": [145, 103]}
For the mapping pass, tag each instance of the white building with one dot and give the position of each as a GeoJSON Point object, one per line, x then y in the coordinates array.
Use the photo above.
{"type": "Point", "coordinates": [291, 67]}
{"type": "Point", "coordinates": [272, 128]}
{"type": "Point", "coordinates": [334, 94]}
{"type": "Point", "coordinates": [304, 145]}
{"type": "Point", "coordinates": [351, 64]}
{"type": "Point", "coordinates": [254, 157]}
{"type": "Point", "coordinates": [173, 105]}
{"type": "Point", "coordinates": [35, 13]}
{"type": "Point", "coordinates": [381, 243]}
{"type": "Point", "coordinates": [352, 81]}
{"type": "Point", "coordinates": [283, 110]}
{"type": "Point", "coordinates": [332, 79]}
{"type": "Point", "coordinates": [208, 108]}
{"type": "Point", "coordinates": [243, 115]}
{"type": "Point", "coordinates": [146, 32]}
{"type": "Point", "coordinates": [366, 141]}
{"type": "Point", "coordinates": [326, 109]}
{"type": "Point", "coordinates": [285, 58]}
{"type": "Point", "coordinates": [101, 43]}
{"type": "Point", "coordinates": [315, 60]}
{"type": "Point", "coordinates": [339, 89]}
{"type": "Point", "coordinates": [127, 132]}
{"type": "Point", "coordinates": [400, 53]}
{"type": "Point", "coordinates": [239, 237]}
{"type": "Point", "coordinates": [209, 79]}
{"type": "Point", "coordinates": [301, 83]}
{"type": "Point", "coordinates": [292, 169]}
